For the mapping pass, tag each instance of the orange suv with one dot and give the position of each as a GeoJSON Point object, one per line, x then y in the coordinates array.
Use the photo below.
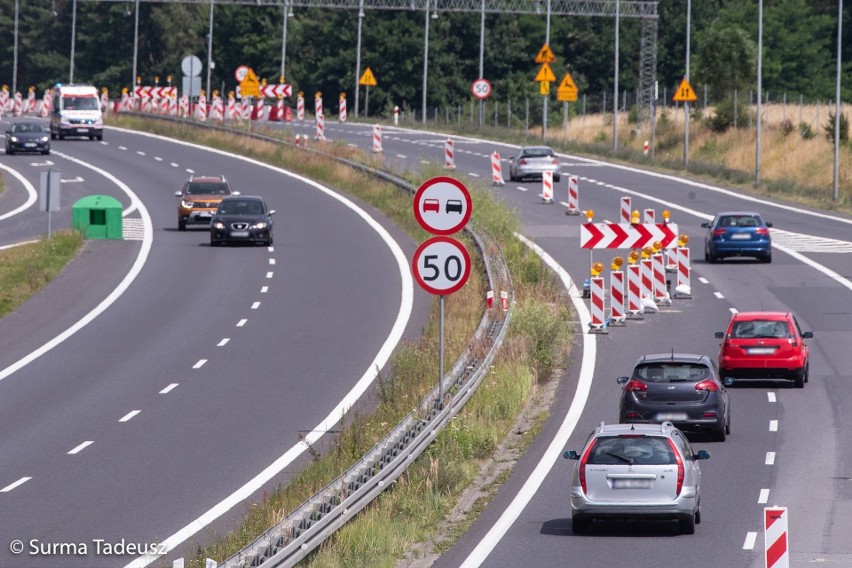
{"type": "Point", "coordinates": [199, 199]}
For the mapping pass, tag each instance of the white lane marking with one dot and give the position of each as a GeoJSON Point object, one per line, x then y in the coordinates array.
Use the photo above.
{"type": "Point", "coordinates": [764, 497]}
{"type": "Point", "coordinates": [270, 248]}
{"type": "Point", "coordinates": [718, 295]}
{"type": "Point", "coordinates": [402, 156]}
{"type": "Point", "coordinates": [264, 289]}
{"type": "Point", "coordinates": [140, 152]}
{"type": "Point", "coordinates": [199, 364]}
{"type": "Point", "coordinates": [129, 415]}
{"type": "Point", "coordinates": [750, 539]}
{"type": "Point", "coordinates": [158, 159]}
{"type": "Point", "coordinates": [554, 450]}
{"type": "Point", "coordinates": [174, 165]}
{"type": "Point", "coordinates": [271, 261]}
{"type": "Point", "coordinates": [224, 342]}
{"type": "Point", "coordinates": [269, 274]}
{"type": "Point", "coordinates": [122, 147]}
{"type": "Point", "coordinates": [801, 242]}
{"type": "Point", "coordinates": [519, 188]}
{"type": "Point", "coordinates": [15, 484]}
{"type": "Point", "coordinates": [32, 194]}
{"type": "Point", "coordinates": [770, 397]}
{"type": "Point", "coordinates": [169, 388]}
{"type": "Point", "coordinates": [473, 175]}
{"type": "Point", "coordinates": [770, 458]}
{"type": "Point", "coordinates": [81, 447]}
{"type": "Point", "coordinates": [773, 425]}
{"type": "Point", "coordinates": [131, 275]}
{"type": "Point", "coordinates": [242, 322]}
{"type": "Point", "coordinates": [703, 280]}
{"type": "Point", "coordinates": [733, 310]}
{"type": "Point", "coordinates": [406, 301]}
{"type": "Point", "coordinates": [255, 305]}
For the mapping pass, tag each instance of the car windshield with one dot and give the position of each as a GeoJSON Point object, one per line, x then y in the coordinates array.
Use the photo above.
{"type": "Point", "coordinates": [80, 103]}
{"type": "Point", "coordinates": [739, 221]}
{"type": "Point", "coordinates": [207, 188]}
{"type": "Point", "coordinates": [537, 152]}
{"type": "Point", "coordinates": [638, 450]}
{"type": "Point", "coordinates": [670, 372]}
{"type": "Point", "coordinates": [248, 207]}
{"type": "Point", "coordinates": [765, 329]}
{"type": "Point", "coordinates": [19, 128]}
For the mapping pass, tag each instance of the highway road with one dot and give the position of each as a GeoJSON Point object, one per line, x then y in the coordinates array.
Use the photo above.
{"type": "Point", "coordinates": [159, 386]}
{"type": "Point", "coordinates": [787, 447]}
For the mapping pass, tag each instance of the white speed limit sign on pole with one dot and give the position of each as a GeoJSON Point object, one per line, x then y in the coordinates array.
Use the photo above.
{"type": "Point", "coordinates": [441, 265]}
{"type": "Point", "coordinates": [481, 88]}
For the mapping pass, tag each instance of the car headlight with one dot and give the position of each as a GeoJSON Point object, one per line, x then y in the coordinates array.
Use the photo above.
{"type": "Point", "coordinates": [260, 225]}
{"type": "Point", "coordinates": [219, 225]}
{"type": "Point", "coordinates": [14, 138]}
{"type": "Point", "coordinates": [44, 139]}
{"type": "Point", "coordinates": [187, 204]}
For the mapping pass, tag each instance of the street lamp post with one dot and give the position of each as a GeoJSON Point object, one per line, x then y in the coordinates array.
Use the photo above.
{"type": "Point", "coordinates": [73, 39]}
{"type": "Point", "coordinates": [835, 195]}
{"type": "Point", "coordinates": [358, 54]}
{"type": "Point", "coordinates": [135, 49]}
{"type": "Point", "coordinates": [544, 97]}
{"type": "Point", "coordinates": [15, 54]}
{"type": "Point", "coordinates": [481, 57]}
{"type": "Point", "coordinates": [209, 48]}
{"type": "Point", "coordinates": [426, 53]}
{"type": "Point", "coordinates": [759, 89]}
{"type": "Point", "coordinates": [615, 85]}
{"type": "Point", "coordinates": [686, 103]}
{"type": "Point", "coordinates": [287, 9]}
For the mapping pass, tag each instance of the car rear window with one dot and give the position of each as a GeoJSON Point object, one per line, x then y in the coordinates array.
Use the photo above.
{"type": "Point", "coordinates": [207, 188]}
{"type": "Point", "coordinates": [639, 450]}
{"type": "Point", "coordinates": [766, 329]}
{"type": "Point", "coordinates": [739, 221]}
{"type": "Point", "coordinates": [538, 152]}
{"type": "Point", "coordinates": [671, 372]}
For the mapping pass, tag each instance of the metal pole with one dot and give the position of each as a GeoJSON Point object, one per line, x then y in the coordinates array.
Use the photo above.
{"type": "Point", "coordinates": [73, 39]}
{"type": "Point", "coordinates": [481, 57]}
{"type": "Point", "coordinates": [441, 355]}
{"type": "Point", "coordinates": [15, 54]}
{"type": "Point", "coordinates": [615, 86]}
{"type": "Point", "coordinates": [426, 53]}
{"type": "Point", "coordinates": [544, 97]}
{"type": "Point", "coordinates": [210, 49]}
{"type": "Point", "coordinates": [759, 89]}
{"type": "Point", "coordinates": [136, 50]}
{"type": "Point", "coordinates": [835, 195]}
{"type": "Point", "coordinates": [284, 43]}
{"type": "Point", "coordinates": [686, 103]}
{"type": "Point", "coordinates": [358, 55]}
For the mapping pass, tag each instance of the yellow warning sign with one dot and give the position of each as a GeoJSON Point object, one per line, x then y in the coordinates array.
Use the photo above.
{"type": "Point", "coordinates": [684, 93]}
{"type": "Point", "coordinates": [545, 55]}
{"type": "Point", "coordinates": [544, 88]}
{"type": "Point", "coordinates": [567, 90]}
{"type": "Point", "coordinates": [367, 78]}
{"type": "Point", "coordinates": [250, 86]}
{"type": "Point", "coordinates": [545, 74]}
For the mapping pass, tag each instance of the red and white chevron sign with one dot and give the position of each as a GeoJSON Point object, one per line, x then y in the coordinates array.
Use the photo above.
{"type": "Point", "coordinates": [155, 92]}
{"type": "Point", "coordinates": [627, 235]}
{"type": "Point", "coordinates": [272, 91]}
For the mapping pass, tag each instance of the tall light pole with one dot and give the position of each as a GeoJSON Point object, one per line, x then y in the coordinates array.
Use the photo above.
{"type": "Point", "coordinates": [426, 53]}
{"type": "Point", "coordinates": [481, 57]}
{"type": "Point", "coordinates": [686, 103]}
{"type": "Point", "coordinates": [287, 14]}
{"type": "Point", "coordinates": [835, 195]}
{"type": "Point", "coordinates": [135, 50]}
{"type": "Point", "coordinates": [544, 97]}
{"type": "Point", "coordinates": [759, 89]}
{"type": "Point", "coordinates": [15, 54]}
{"type": "Point", "coordinates": [73, 39]}
{"type": "Point", "coordinates": [358, 54]}
{"type": "Point", "coordinates": [209, 49]}
{"type": "Point", "coordinates": [615, 86]}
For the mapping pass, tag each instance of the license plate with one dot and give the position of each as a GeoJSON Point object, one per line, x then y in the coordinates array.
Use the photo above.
{"type": "Point", "coordinates": [82, 130]}
{"type": "Point", "coordinates": [30, 145]}
{"type": "Point", "coordinates": [760, 350]}
{"type": "Point", "coordinates": [671, 416]}
{"type": "Point", "coordinates": [631, 483]}
{"type": "Point", "coordinates": [741, 236]}
{"type": "Point", "coordinates": [239, 234]}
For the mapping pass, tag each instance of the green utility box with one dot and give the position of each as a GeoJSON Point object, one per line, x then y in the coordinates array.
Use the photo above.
{"type": "Point", "coordinates": [97, 217]}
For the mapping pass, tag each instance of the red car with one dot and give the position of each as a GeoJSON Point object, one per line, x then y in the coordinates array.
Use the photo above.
{"type": "Point", "coordinates": [764, 345]}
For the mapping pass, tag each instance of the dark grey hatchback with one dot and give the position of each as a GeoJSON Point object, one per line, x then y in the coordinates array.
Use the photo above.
{"type": "Point", "coordinates": [682, 388]}
{"type": "Point", "coordinates": [242, 219]}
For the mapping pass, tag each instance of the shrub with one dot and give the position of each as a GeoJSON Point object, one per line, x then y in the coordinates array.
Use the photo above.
{"type": "Point", "coordinates": [723, 119]}
{"type": "Point", "coordinates": [787, 127]}
{"type": "Point", "coordinates": [805, 131]}
{"type": "Point", "coordinates": [844, 128]}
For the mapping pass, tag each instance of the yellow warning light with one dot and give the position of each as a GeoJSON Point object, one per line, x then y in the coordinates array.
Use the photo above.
{"type": "Point", "coordinates": [124, 91]}
{"type": "Point", "coordinates": [597, 268]}
{"type": "Point", "coordinates": [231, 94]}
{"type": "Point", "coordinates": [657, 245]}
{"type": "Point", "coordinates": [318, 95]}
{"type": "Point", "coordinates": [590, 214]}
{"type": "Point", "coordinates": [169, 79]}
{"type": "Point", "coordinates": [281, 79]}
{"type": "Point", "coordinates": [633, 257]}
{"type": "Point", "coordinates": [138, 79]}
{"type": "Point", "coordinates": [300, 94]}
{"type": "Point", "coordinates": [215, 93]}
{"type": "Point", "coordinates": [616, 263]}
{"type": "Point", "coordinates": [156, 78]}
{"type": "Point", "coordinates": [682, 240]}
{"type": "Point", "coordinates": [647, 252]}
{"type": "Point", "coordinates": [342, 96]}
{"type": "Point", "coordinates": [666, 215]}
{"type": "Point", "coordinates": [634, 217]}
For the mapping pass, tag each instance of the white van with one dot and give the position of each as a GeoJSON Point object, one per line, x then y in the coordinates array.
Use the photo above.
{"type": "Point", "coordinates": [76, 111]}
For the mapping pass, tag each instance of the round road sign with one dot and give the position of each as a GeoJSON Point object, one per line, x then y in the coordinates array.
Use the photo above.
{"type": "Point", "coordinates": [442, 205]}
{"type": "Point", "coordinates": [441, 265]}
{"type": "Point", "coordinates": [191, 66]}
{"type": "Point", "coordinates": [240, 73]}
{"type": "Point", "coordinates": [481, 88]}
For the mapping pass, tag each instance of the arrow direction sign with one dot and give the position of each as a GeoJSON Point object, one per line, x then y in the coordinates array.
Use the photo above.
{"type": "Point", "coordinates": [77, 179]}
{"type": "Point", "coordinates": [44, 163]}
{"type": "Point", "coordinates": [627, 235]}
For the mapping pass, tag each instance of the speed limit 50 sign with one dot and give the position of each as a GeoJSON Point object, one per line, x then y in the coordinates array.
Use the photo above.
{"type": "Point", "coordinates": [481, 88]}
{"type": "Point", "coordinates": [441, 265]}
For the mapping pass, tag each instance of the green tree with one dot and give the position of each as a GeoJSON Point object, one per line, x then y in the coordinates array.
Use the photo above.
{"type": "Point", "coordinates": [726, 59]}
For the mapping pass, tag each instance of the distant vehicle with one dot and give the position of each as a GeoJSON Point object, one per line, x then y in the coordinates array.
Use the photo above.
{"type": "Point", "coordinates": [636, 471]}
{"type": "Point", "coordinates": [199, 198]}
{"type": "Point", "coordinates": [682, 388]}
{"type": "Point", "coordinates": [76, 111]}
{"type": "Point", "coordinates": [27, 137]}
{"type": "Point", "coordinates": [737, 233]}
{"type": "Point", "coordinates": [242, 220]}
{"type": "Point", "coordinates": [454, 205]}
{"type": "Point", "coordinates": [431, 205]}
{"type": "Point", "coordinates": [532, 162]}
{"type": "Point", "coordinates": [765, 345]}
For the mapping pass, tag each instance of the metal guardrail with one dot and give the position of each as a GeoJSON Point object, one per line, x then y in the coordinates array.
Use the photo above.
{"type": "Point", "coordinates": [315, 520]}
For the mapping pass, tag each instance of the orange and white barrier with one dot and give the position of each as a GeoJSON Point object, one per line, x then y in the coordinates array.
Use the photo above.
{"type": "Point", "coordinates": [217, 113]}
{"type": "Point", "coordinates": [573, 196]}
{"type": "Point", "coordinates": [497, 170]}
{"type": "Point", "coordinates": [616, 297]}
{"type": "Point", "coordinates": [449, 155]}
{"type": "Point", "coordinates": [683, 289]}
{"type": "Point", "coordinates": [661, 294]}
{"type": "Point", "coordinates": [547, 187]}
{"type": "Point", "coordinates": [625, 210]}
{"type": "Point", "coordinates": [341, 108]}
{"type": "Point", "coordinates": [320, 127]}
{"type": "Point", "coordinates": [300, 108]}
{"type": "Point", "coordinates": [634, 292]}
{"type": "Point", "coordinates": [377, 138]}
{"type": "Point", "coordinates": [775, 534]}
{"type": "Point", "coordinates": [596, 289]}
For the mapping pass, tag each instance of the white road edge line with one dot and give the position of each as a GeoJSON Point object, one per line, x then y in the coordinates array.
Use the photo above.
{"type": "Point", "coordinates": [554, 450]}
{"type": "Point", "coordinates": [81, 447]}
{"type": "Point", "coordinates": [770, 397]}
{"type": "Point", "coordinates": [169, 388]}
{"type": "Point", "coordinates": [129, 415]}
{"type": "Point", "coordinates": [15, 484]}
{"type": "Point", "coordinates": [770, 458]}
{"type": "Point", "coordinates": [773, 425]}
{"type": "Point", "coordinates": [32, 194]}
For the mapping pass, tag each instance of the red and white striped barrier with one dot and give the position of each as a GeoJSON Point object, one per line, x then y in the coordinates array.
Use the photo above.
{"type": "Point", "coordinates": [634, 292]}
{"type": "Point", "coordinates": [683, 289]}
{"type": "Point", "coordinates": [504, 300]}
{"type": "Point", "coordinates": [596, 289]}
{"type": "Point", "coordinates": [146, 104]}
{"type": "Point", "coordinates": [201, 109]}
{"type": "Point", "coordinates": [775, 534]}
{"type": "Point", "coordinates": [377, 138]}
{"type": "Point", "coordinates": [300, 108]}
{"type": "Point", "coordinates": [341, 110]}
{"type": "Point", "coordinates": [625, 210]}
{"type": "Point", "coordinates": [449, 155]}
{"type": "Point", "coordinates": [318, 106]}
{"type": "Point", "coordinates": [122, 107]}
{"type": "Point", "coordinates": [259, 107]}
{"type": "Point", "coordinates": [279, 109]}
{"type": "Point", "coordinates": [661, 293]}
{"type": "Point", "coordinates": [104, 101]}
{"type": "Point", "coordinates": [184, 106]}
{"type": "Point", "coordinates": [245, 108]}
{"type": "Point", "coordinates": [4, 100]}
{"type": "Point", "coordinates": [395, 115]}
{"type": "Point", "coordinates": [497, 170]}
{"type": "Point", "coordinates": [547, 187]}
{"type": "Point", "coordinates": [616, 297]}
{"type": "Point", "coordinates": [18, 105]}
{"type": "Point", "coordinates": [647, 286]}
{"type": "Point", "coordinates": [173, 105]}
{"type": "Point", "coordinates": [231, 109]}
{"type": "Point", "coordinates": [645, 148]}
{"type": "Point", "coordinates": [649, 217]}
{"type": "Point", "coordinates": [45, 104]}
{"type": "Point", "coordinates": [320, 127]}
{"type": "Point", "coordinates": [31, 106]}
{"type": "Point", "coordinates": [489, 299]}
{"type": "Point", "coordinates": [573, 196]}
{"type": "Point", "coordinates": [620, 235]}
{"type": "Point", "coordinates": [217, 111]}
{"type": "Point", "coordinates": [165, 105]}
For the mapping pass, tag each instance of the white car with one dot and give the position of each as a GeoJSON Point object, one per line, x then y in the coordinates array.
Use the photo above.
{"type": "Point", "coordinates": [532, 162]}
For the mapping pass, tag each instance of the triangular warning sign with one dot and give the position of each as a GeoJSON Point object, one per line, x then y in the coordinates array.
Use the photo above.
{"type": "Point", "coordinates": [684, 93]}
{"type": "Point", "coordinates": [545, 74]}
{"type": "Point", "coordinates": [367, 78]}
{"type": "Point", "coordinates": [567, 91]}
{"type": "Point", "coordinates": [545, 55]}
{"type": "Point", "coordinates": [567, 82]}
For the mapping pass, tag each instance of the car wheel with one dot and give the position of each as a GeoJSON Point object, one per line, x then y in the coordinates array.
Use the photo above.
{"type": "Point", "coordinates": [10, 152]}
{"type": "Point", "coordinates": [100, 137]}
{"type": "Point", "coordinates": [687, 524]}
{"type": "Point", "coordinates": [698, 514]}
{"type": "Point", "coordinates": [721, 434]}
{"type": "Point", "coordinates": [46, 152]}
{"type": "Point", "coordinates": [579, 525]}
{"type": "Point", "coordinates": [799, 380]}
{"type": "Point", "coordinates": [557, 177]}
{"type": "Point", "coordinates": [807, 371]}
{"type": "Point", "coordinates": [181, 225]}
{"type": "Point", "coordinates": [728, 426]}
{"type": "Point", "coordinates": [767, 258]}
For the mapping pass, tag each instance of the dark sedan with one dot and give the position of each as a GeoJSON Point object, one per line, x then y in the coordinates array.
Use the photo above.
{"type": "Point", "coordinates": [681, 388]}
{"type": "Point", "coordinates": [242, 219]}
{"type": "Point", "coordinates": [27, 137]}
{"type": "Point", "coordinates": [737, 233]}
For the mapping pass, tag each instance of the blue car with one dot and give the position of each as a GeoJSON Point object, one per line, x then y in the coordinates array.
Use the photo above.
{"type": "Point", "coordinates": [737, 233]}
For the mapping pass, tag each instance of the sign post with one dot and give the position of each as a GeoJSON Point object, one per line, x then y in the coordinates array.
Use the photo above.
{"type": "Point", "coordinates": [368, 80]}
{"type": "Point", "coordinates": [49, 195]}
{"type": "Point", "coordinates": [544, 78]}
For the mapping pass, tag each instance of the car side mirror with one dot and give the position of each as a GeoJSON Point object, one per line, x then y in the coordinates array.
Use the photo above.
{"type": "Point", "coordinates": [271, 212]}
{"type": "Point", "coordinates": [807, 335]}
{"type": "Point", "coordinates": [702, 455]}
{"type": "Point", "coordinates": [705, 225]}
{"type": "Point", "coordinates": [571, 455]}
{"type": "Point", "coordinates": [235, 193]}
{"type": "Point", "coordinates": [622, 380]}
{"type": "Point", "coordinates": [719, 335]}
{"type": "Point", "coordinates": [768, 223]}
{"type": "Point", "coordinates": [178, 194]}
{"type": "Point", "coordinates": [728, 381]}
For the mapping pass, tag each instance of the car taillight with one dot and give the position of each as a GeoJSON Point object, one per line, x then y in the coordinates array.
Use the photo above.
{"type": "Point", "coordinates": [635, 385]}
{"type": "Point", "coordinates": [583, 461]}
{"type": "Point", "coordinates": [553, 160]}
{"type": "Point", "coordinates": [680, 471]}
{"type": "Point", "coordinates": [522, 162]}
{"type": "Point", "coordinates": [762, 232]}
{"type": "Point", "coordinates": [707, 385]}
{"type": "Point", "coordinates": [718, 232]}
